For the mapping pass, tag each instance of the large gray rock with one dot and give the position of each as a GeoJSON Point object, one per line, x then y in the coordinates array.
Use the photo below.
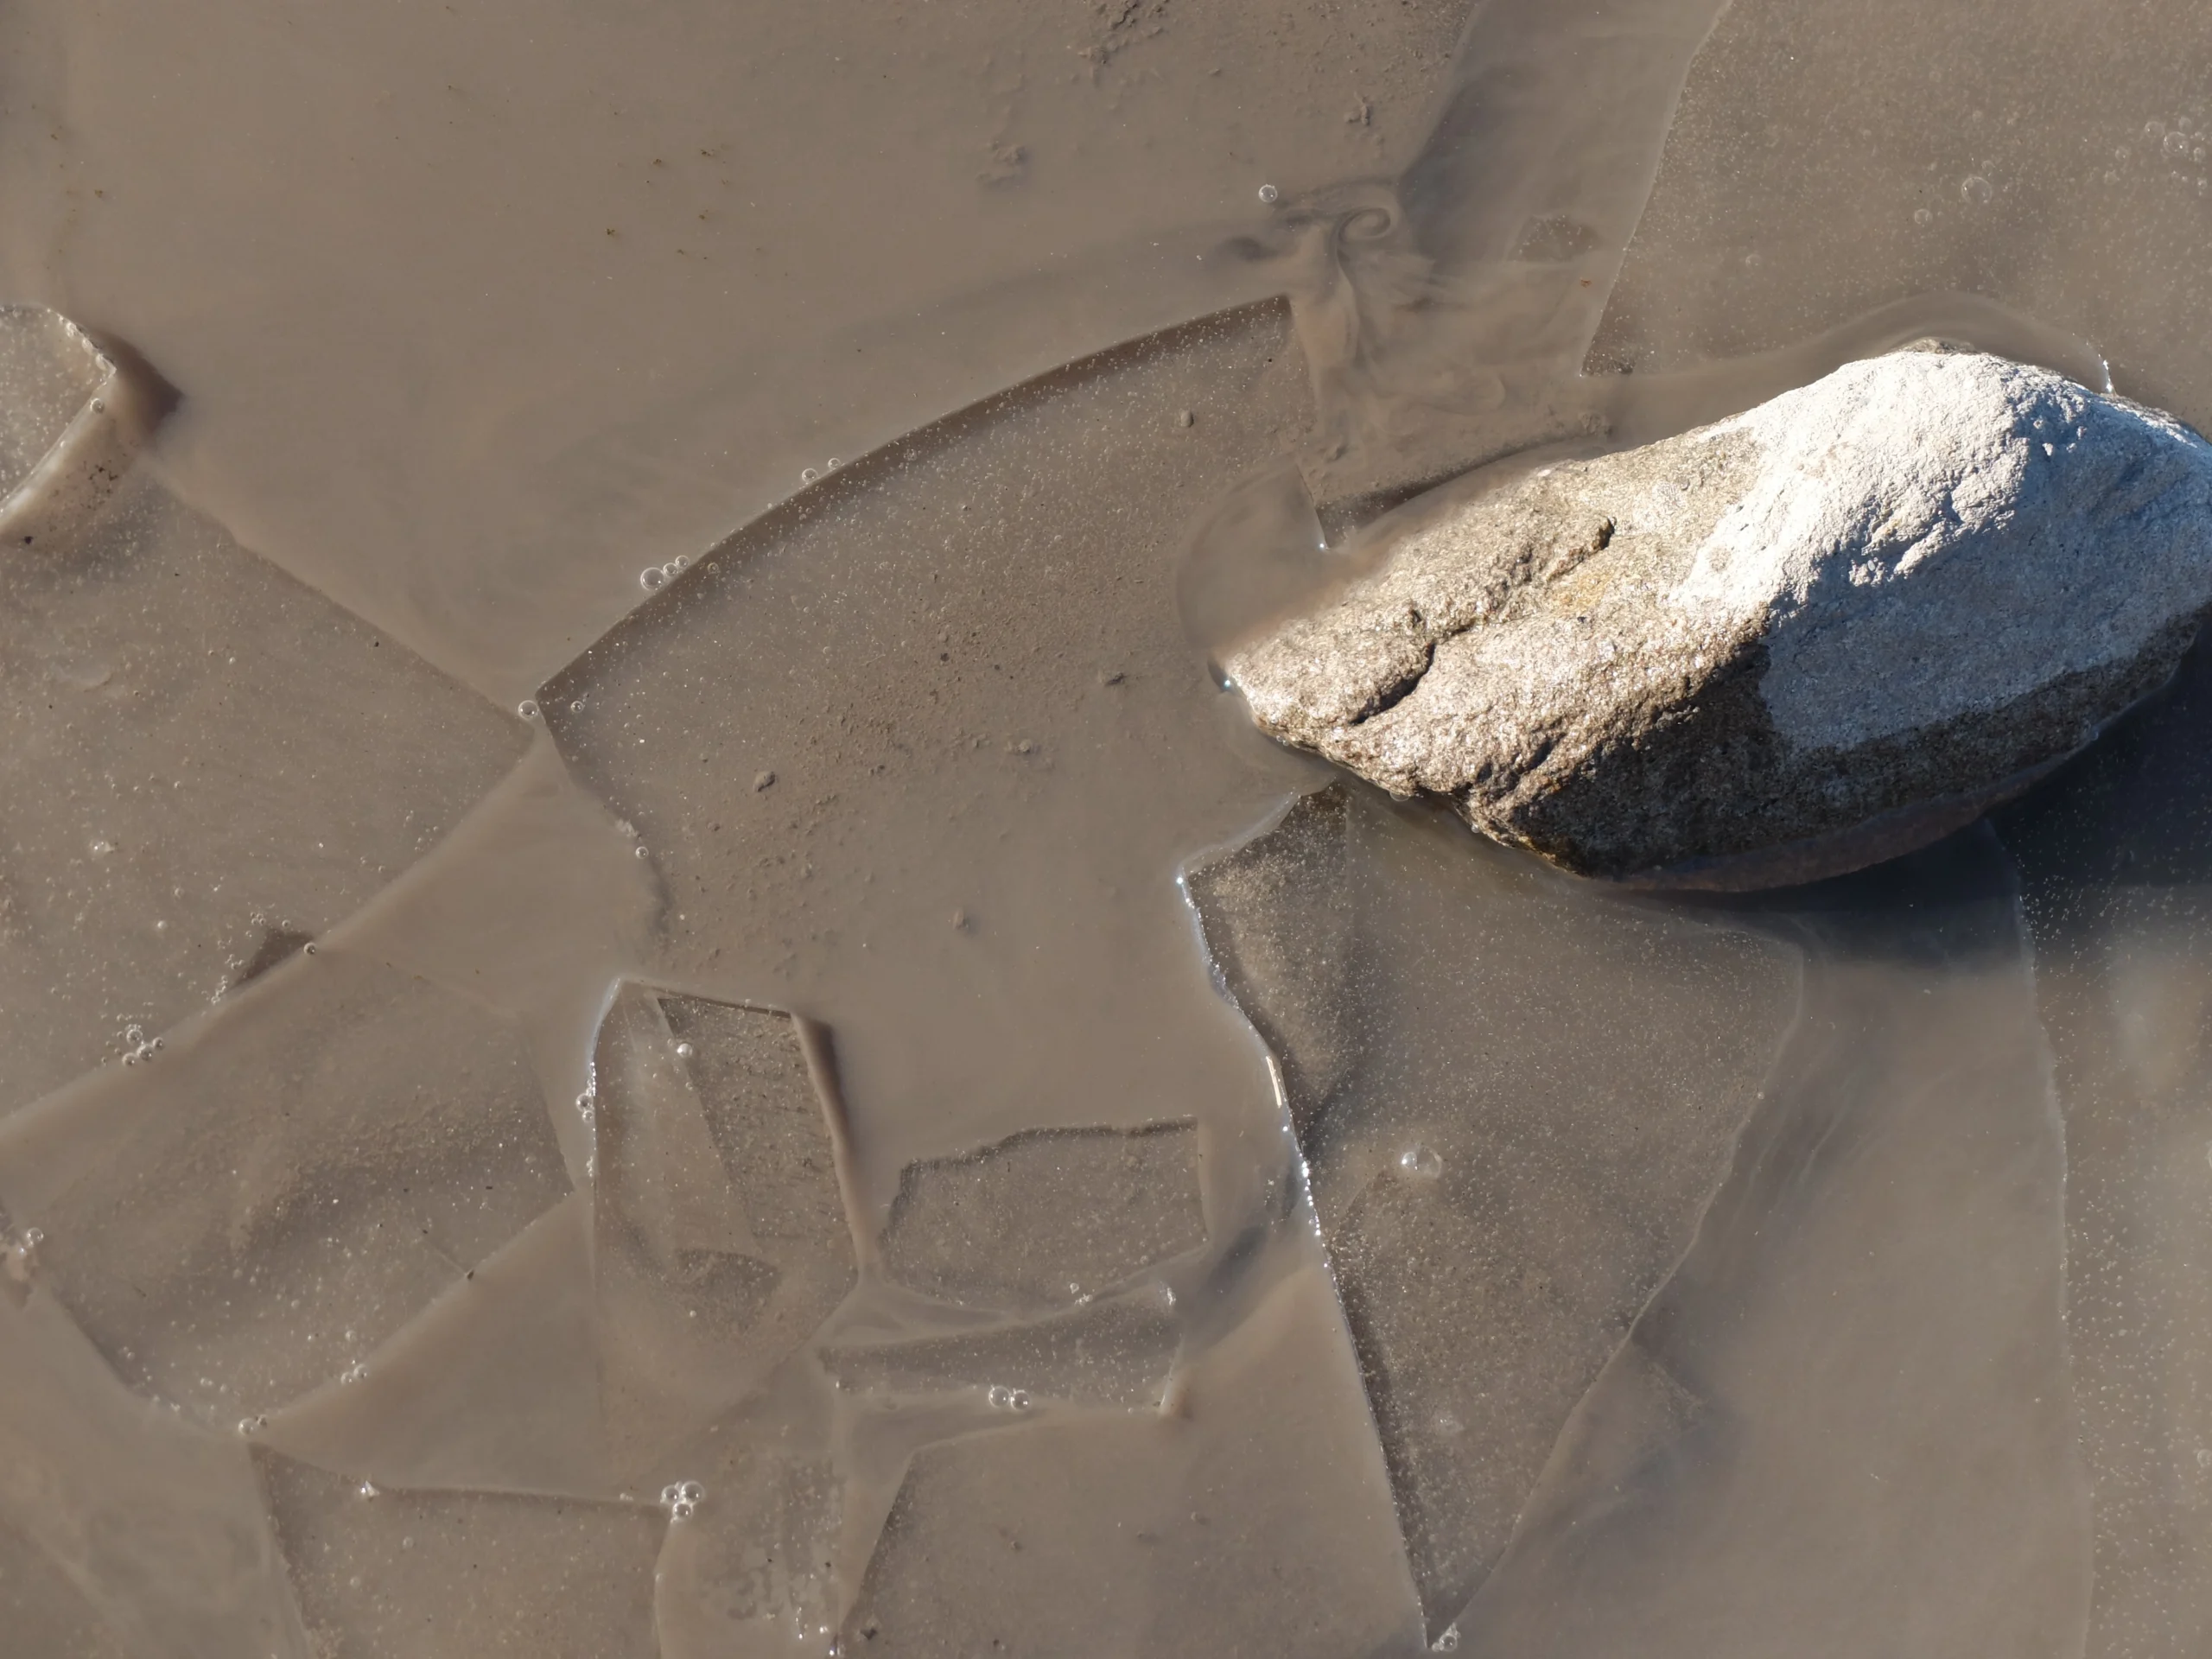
{"type": "Point", "coordinates": [1794, 642]}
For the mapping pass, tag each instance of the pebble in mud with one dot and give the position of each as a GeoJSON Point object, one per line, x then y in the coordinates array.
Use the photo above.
{"type": "Point", "coordinates": [1791, 644]}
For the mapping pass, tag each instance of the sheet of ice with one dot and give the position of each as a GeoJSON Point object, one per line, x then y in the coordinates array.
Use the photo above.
{"type": "Point", "coordinates": [1046, 1218]}
{"type": "Point", "coordinates": [205, 763]}
{"type": "Point", "coordinates": [248, 1211]}
{"type": "Point", "coordinates": [1157, 1536]}
{"type": "Point", "coordinates": [505, 1575]}
{"type": "Point", "coordinates": [42, 1611]}
{"type": "Point", "coordinates": [1845, 1426]}
{"type": "Point", "coordinates": [493, 1387]}
{"type": "Point", "coordinates": [751, 1566]}
{"type": "Point", "coordinates": [1118, 1352]}
{"type": "Point", "coordinates": [155, 1523]}
{"type": "Point", "coordinates": [719, 1238]}
{"type": "Point", "coordinates": [2117, 869]}
{"type": "Point", "coordinates": [2032, 151]}
{"type": "Point", "coordinates": [1522, 1095]}
{"type": "Point", "coordinates": [909, 810]}
{"type": "Point", "coordinates": [571, 293]}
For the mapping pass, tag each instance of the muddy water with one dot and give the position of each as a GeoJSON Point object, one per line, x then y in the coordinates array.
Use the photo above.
{"type": "Point", "coordinates": [656, 1006]}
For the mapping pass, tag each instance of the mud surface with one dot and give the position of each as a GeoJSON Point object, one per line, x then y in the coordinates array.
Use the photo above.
{"type": "Point", "coordinates": [654, 1005]}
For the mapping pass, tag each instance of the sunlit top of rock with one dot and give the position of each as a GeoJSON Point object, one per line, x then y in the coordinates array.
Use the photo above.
{"type": "Point", "coordinates": [1790, 643]}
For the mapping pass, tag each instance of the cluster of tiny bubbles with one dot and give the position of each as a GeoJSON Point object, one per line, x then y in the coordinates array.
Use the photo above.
{"type": "Point", "coordinates": [21, 1260]}
{"type": "Point", "coordinates": [139, 1045]}
{"type": "Point", "coordinates": [354, 1373]}
{"type": "Point", "coordinates": [1424, 1163]}
{"type": "Point", "coordinates": [1004, 1399]}
{"type": "Point", "coordinates": [654, 577]}
{"type": "Point", "coordinates": [252, 1425]}
{"type": "Point", "coordinates": [1447, 1643]}
{"type": "Point", "coordinates": [1268, 193]}
{"type": "Point", "coordinates": [682, 1498]}
{"type": "Point", "coordinates": [527, 709]}
{"type": "Point", "coordinates": [583, 1105]}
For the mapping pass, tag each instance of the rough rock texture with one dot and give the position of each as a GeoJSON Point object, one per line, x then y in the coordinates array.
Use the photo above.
{"type": "Point", "coordinates": [1798, 640]}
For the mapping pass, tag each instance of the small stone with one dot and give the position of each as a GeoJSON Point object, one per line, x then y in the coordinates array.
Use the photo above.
{"type": "Point", "coordinates": [1183, 417]}
{"type": "Point", "coordinates": [1794, 643]}
{"type": "Point", "coordinates": [762, 779]}
{"type": "Point", "coordinates": [1113, 678]}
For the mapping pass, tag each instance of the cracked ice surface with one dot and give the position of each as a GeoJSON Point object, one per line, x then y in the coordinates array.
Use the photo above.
{"type": "Point", "coordinates": [1515, 1098]}
{"type": "Point", "coordinates": [248, 1213]}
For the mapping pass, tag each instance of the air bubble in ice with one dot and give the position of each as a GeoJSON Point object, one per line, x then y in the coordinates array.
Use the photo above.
{"type": "Point", "coordinates": [368, 1489]}
{"type": "Point", "coordinates": [2177, 144]}
{"type": "Point", "coordinates": [1268, 193]}
{"type": "Point", "coordinates": [1922, 216]}
{"type": "Point", "coordinates": [650, 578]}
{"type": "Point", "coordinates": [683, 1051]}
{"type": "Point", "coordinates": [1004, 1399]}
{"type": "Point", "coordinates": [807, 475]}
{"type": "Point", "coordinates": [1448, 1641]}
{"type": "Point", "coordinates": [354, 1373]}
{"type": "Point", "coordinates": [682, 1498]}
{"type": "Point", "coordinates": [527, 709]}
{"type": "Point", "coordinates": [1423, 1163]}
{"type": "Point", "coordinates": [21, 1262]}
{"type": "Point", "coordinates": [1975, 188]}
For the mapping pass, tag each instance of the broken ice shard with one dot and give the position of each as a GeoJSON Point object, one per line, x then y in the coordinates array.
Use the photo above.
{"type": "Point", "coordinates": [1042, 1218]}
{"type": "Point", "coordinates": [720, 1221]}
{"type": "Point", "coordinates": [246, 1214]}
{"type": "Point", "coordinates": [1516, 1095]}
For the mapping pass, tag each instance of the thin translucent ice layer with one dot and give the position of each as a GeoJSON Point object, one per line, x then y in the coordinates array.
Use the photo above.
{"type": "Point", "coordinates": [1845, 1426]}
{"type": "Point", "coordinates": [203, 764]}
{"type": "Point", "coordinates": [1115, 1352]}
{"type": "Point", "coordinates": [1826, 160]}
{"type": "Point", "coordinates": [721, 1239]}
{"type": "Point", "coordinates": [521, 1576]}
{"type": "Point", "coordinates": [1044, 1218]}
{"type": "Point", "coordinates": [1515, 1095]}
{"type": "Point", "coordinates": [246, 1213]}
{"type": "Point", "coordinates": [1167, 1536]}
{"type": "Point", "coordinates": [42, 1611]}
{"type": "Point", "coordinates": [750, 1568]}
{"type": "Point", "coordinates": [157, 1524]}
{"type": "Point", "coordinates": [495, 1385]}
{"type": "Point", "coordinates": [921, 751]}
{"type": "Point", "coordinates": [2116, 861]}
